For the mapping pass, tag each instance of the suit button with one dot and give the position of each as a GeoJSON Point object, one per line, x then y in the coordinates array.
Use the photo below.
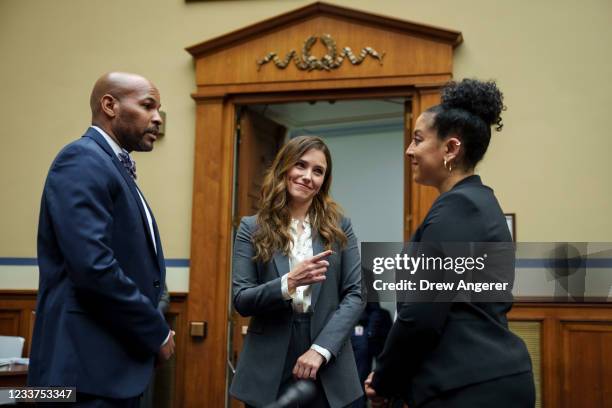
{"type": "Point", "coordinates": [156, 284]}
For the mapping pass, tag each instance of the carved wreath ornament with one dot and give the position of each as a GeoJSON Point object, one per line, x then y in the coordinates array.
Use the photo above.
{"type": "Point", "coordinates": [329, 61]}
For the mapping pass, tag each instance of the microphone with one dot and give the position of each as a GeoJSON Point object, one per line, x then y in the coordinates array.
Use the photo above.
{"type": "Point", "coordinates": [301, 392]}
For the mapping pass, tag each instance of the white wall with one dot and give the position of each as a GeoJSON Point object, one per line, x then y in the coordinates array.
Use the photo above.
{"type": "Point", "coordinates": [368, 177]}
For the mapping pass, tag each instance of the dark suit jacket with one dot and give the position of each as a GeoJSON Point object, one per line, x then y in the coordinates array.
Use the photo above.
{"type": "Point", "coordinates": [436, 347]}
{"type": "Point", "coordinates": [336, 303]}
{"type": "Point", "coordinates": [97, 326]}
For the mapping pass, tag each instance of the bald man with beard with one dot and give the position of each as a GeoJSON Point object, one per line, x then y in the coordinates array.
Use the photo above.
{"type": "Point", "coordinates": [100, 257]}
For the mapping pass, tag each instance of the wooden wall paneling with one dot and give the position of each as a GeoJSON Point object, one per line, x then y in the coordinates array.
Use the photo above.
{"type": "Point", "coordinates": [551, 390]}
{"type": "Point", "coordinates": [531, 333]}
{"type": "Point", "coordinates": [587, 376]}
{"type": "Point", "coordinates": [567, 327]}
{"type": "Point", "coordinates": [209, 277]}
{"type": "Point", "coordinates": [17, 315]}
{"type": "Point", "coordinates": [178, 316]}
{"type": "Point", "coordinates": [169, 376]}
{"type": "Point", "coordinates": [20, 305]}
{"type": "Point", "coordinates": [9, 322]}
{"type": "Point", "coordinates": [606, 359]}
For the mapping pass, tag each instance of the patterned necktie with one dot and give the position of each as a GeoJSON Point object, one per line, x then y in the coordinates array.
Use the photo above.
{"type": "Point", "coordinates": [128, 163]}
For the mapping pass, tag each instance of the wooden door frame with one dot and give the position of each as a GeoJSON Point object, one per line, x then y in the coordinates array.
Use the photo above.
{"type": "Point", "coordinates": [210, 275]}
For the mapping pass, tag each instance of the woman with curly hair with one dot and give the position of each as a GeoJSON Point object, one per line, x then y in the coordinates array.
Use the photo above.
{"type": "Point", "coordinates": [455, 354]}
{"type": "Point", "coordinates": [296, 273]}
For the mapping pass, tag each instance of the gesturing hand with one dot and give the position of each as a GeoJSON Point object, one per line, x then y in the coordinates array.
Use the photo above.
{"type": "Point", "coordinates": [375, 400]}
{"type": "Point", "coordinates": [308, 365]}
{"type": "Point", "coordinates": [308, 271]}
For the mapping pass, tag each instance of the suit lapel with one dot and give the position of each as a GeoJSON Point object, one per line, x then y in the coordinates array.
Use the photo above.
{"type": "Point", "coordinates": [98, 138]}
{"type": "Point", "coordinates": [158, 246]}
{"type": "Point", "coordinates": [317, 247]}
{"type": "Point", "coordinates": [281, 262]}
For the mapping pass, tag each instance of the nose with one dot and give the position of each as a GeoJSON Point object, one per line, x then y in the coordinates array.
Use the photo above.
{"type": "Point", "coordinates": [307, 175]}
{"type": "Point", "coordinates": [410, 150]}
{"type": "Point", "coordinates": [157, 119]}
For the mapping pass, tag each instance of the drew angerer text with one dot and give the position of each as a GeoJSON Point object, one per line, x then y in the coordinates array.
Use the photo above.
{"type": "Point", "coordinates": [425, 285]}
{"type": "Point", "coordinates": [439, 272]}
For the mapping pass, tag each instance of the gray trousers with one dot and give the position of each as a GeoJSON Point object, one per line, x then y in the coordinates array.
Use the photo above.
{"type": "Point", "coordinates": [299, 343]}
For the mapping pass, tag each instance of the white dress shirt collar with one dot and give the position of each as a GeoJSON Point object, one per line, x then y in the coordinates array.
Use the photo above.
{"type": "Point", "coordinates": [116, 148]}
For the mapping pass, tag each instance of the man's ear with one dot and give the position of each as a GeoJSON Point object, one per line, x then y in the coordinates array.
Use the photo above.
{"type": "Point", "coordinates": [452, 147]}
{"type": "Point", "coordinates": [109, 105]}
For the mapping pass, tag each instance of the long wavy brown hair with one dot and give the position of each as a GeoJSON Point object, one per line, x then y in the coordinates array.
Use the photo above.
{"type": "Point", "coordinates": [273, 218]}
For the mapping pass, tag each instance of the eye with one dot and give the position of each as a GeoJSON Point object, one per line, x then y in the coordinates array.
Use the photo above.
{"type": "Point", "coordinates": [299, 165]}
{"type": "Point", "coordinates": [319, 171]}
{"type": "Point", "coordinates": [149, 104]}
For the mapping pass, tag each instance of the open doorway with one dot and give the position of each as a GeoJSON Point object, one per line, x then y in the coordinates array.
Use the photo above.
{"type": "Point", "coordinates": [367, 142]}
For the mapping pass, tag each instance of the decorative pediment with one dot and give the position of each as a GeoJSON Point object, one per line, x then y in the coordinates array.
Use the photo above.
{"type": "Point", "coordinates": [322, 42]}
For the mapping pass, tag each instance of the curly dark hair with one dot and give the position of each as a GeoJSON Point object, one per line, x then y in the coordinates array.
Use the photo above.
{"type": "Point", "coordinates": [468, 110]}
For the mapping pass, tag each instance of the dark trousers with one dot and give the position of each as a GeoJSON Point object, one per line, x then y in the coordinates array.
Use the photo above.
{"type": "Point", "coordinates": [364, 364]}
{"type": "Point", "coordinates": [515, 391]}
{"type": "Point", "coordinates": [300, 343]}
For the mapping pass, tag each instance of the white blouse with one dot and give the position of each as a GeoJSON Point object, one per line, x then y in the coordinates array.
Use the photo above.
{"type": "Point", "coordinates": [301, 249]}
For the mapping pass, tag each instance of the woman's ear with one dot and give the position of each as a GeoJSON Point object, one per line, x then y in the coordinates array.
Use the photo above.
{"type": "Point", "coordinates": [452, 147]}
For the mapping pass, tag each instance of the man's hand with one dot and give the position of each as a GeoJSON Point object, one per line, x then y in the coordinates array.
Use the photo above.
{"type": "Point", "coordinates": [167, 350]}
{"type": "Point", "coordinates": [307, 365]}
{"type": "Point", "coordinates": [309, 271]}
{"type": "Point", "coordinates": [375, 400]}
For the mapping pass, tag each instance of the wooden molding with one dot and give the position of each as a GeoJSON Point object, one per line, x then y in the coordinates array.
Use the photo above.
{"type": "Point", "coordinates": [450, 37]}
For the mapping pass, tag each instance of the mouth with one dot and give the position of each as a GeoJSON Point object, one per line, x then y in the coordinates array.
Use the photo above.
{"type": "Point", "coordinates": [153, 134]}
{"type": "Point", "coordinates": [305, 187]}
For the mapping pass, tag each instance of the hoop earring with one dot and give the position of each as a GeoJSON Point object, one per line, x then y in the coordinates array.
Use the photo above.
{"type": "Point", "coordinates": [450, 166]}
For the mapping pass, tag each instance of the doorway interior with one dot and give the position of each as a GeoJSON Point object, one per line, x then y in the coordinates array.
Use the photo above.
{"type": "Point", "coordinates": [366, 139]}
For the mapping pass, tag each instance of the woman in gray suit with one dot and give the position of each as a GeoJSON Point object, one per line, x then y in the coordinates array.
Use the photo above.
{"type": "Point", "coordinates": [296, 273]}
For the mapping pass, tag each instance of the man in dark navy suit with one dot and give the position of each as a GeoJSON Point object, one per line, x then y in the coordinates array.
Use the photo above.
{"type": "Point", "coordinates": [101, 262]}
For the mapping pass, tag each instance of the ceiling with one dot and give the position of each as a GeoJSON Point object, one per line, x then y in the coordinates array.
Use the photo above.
{"type": "Point", "coordinates": [325, 113]}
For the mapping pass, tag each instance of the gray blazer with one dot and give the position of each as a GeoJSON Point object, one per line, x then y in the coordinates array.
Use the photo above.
{"type": "Point", "coordinates": [336, 303]}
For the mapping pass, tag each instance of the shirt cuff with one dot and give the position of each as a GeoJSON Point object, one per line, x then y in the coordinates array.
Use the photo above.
{"type": "Point", "coordinates": [285, 287]}
{"type": "Point", "coordinates": [322, 351]}
{"type": "Point", "coordinates": [167, 339]}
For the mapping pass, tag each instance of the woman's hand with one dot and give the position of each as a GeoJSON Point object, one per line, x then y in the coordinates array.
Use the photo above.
{"type": "Point", "coordinates": [375, 400]}
{"type": "Point", "coordinates": [307, 365]}
{"type": "Point", "coordinates": [309, 271]}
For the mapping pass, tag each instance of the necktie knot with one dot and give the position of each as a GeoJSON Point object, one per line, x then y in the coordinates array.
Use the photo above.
{"type": "Point", "coordinates": [128, 163]}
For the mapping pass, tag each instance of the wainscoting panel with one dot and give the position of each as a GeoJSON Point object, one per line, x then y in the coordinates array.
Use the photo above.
{"type": "Point", "coordinates": [17, 311]}
{"type": "Point", "coordinates": [573, 362]}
